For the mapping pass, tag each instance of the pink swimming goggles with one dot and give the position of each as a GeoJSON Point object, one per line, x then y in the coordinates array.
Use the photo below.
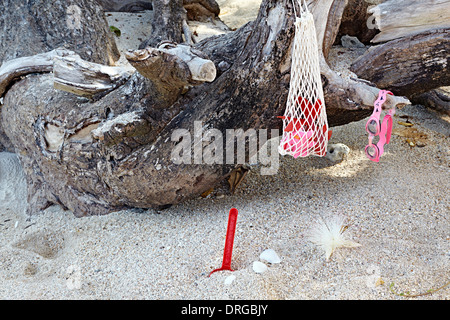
{"type": "Point", "coordinates": [375, 128]}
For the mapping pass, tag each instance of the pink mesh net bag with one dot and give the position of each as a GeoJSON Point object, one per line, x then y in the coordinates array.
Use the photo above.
{"type": "Point", "coordinates": [305, 125]}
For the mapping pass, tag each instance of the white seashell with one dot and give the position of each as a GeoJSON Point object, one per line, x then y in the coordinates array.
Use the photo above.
{"type": "Point", "coordinates": [259, 267]}
{"type": "Point", "coordinates": [270, 256]}
{"type": "Point", "coordinates": [337, 152]}
{"type": "Point", "coordinates": [229, 280]}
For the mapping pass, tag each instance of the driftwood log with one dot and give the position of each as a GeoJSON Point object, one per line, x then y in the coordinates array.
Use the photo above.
{"type": "Point", "coordinates": [416, 57]}
{"type": "Point", "coordinates": [399, 64]}
{"type": "Point", "coordinates": [404, 18]}
{"type": "Point", "coordinates": [112, 149]}
{"type": "Point", "coordinates": [437, 99]}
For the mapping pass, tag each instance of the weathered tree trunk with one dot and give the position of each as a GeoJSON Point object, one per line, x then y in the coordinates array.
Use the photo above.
{"type": "Point", "coordinates": [35, 27]}
{"type": "Point", "coordinates": [114, 150]}
{"type": "Point", "coordinates": [38, 26]}
{"type": "Point", "coordinates": [167, 23]}
{"type": "Point", "coordinates": [356, 22]}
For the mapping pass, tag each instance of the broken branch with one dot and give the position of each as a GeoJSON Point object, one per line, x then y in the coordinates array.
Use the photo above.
{"type": "Point", "coordinates": [16, 68]}
{"type": "Point", "coordinates": [75, 75]}
{"type": "Point", "coordinates": [172, 68]}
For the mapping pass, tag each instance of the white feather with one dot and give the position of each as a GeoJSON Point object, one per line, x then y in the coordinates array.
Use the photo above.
{"type": "Point", "coordinates": [330, 235]}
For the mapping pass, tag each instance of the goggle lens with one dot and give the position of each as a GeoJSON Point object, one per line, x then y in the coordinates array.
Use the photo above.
{"type": "Point", "coordinates": [372, 127]}
{"type": "Point", "coordinates": [372, 151]}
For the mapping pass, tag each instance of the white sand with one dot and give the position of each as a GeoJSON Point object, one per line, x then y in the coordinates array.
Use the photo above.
{"type": "Point", "coordinates": [235, 13]}
{"type": "Point", "coordinates": [398, 209]}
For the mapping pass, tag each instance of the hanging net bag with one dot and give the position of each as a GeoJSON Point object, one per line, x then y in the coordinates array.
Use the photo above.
{"type": "Point", "coordinates": [305, 126]}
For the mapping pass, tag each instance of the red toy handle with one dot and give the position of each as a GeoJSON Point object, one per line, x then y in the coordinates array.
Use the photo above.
{"type": "Point", "coordinates": [229, 240]}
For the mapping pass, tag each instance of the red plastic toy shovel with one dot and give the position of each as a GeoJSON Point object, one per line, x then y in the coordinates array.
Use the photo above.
{"type": "Point", "coordinates": [227, 252]}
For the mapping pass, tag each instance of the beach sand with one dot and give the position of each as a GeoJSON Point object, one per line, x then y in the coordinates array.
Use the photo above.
{"type": "Point", "coordinates": [398, 210]}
